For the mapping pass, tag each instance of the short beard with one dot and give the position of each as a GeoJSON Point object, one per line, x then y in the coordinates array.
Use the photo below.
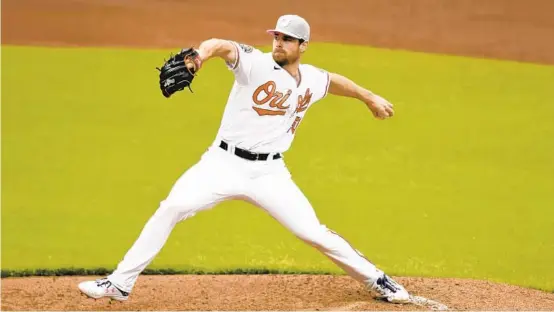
{"type": "Point", "coordinates": [282, 62]}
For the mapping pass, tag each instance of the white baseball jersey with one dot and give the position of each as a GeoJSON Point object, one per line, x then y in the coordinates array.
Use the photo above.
{"type": "Point", "coordinates": [266, 104]}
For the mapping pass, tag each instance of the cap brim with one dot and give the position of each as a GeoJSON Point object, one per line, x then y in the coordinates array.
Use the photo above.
{"type": "Point", "coordinates": [275, 31]}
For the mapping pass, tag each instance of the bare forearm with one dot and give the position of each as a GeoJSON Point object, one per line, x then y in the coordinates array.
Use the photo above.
{"type": "Point", "coordinates": [217, 48]}
{"type": "Point", "coordinates": [343, 86]}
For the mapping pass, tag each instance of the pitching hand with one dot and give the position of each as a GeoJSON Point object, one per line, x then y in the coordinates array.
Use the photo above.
{"type": "Point", "coordinates": [380, 107]}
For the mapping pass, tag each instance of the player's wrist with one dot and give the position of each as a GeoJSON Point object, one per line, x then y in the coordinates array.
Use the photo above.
{"type": "Point", "coordinates": [366, 96]}
{"type": "Point", "coordinates": [198, 61]}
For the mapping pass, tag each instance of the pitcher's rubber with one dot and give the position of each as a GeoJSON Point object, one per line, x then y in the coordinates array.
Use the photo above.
{"type": "Point", "coordinates": [428, 303]}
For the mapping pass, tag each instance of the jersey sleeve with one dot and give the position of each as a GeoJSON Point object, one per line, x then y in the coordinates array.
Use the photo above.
{"type": "Point", "coordinates": [246, 58]}
{"type": "Point", "coordinates": [321, 83]}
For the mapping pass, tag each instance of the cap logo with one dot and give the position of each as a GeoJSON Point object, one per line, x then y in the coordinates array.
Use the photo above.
{"type": "Point", "coordinates": [285, 22]}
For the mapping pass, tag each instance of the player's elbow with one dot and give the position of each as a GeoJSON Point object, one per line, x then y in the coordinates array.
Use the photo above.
{"type": "Point", "coordinates": [337, 84]}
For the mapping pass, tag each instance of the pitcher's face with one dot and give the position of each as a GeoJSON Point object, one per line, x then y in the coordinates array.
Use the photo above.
{"type": "Point", "coordinates": [286, 49]}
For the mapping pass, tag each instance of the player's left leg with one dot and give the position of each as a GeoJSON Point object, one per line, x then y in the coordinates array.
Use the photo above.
{"type": "Point", "coordinates": [283, 200]}
{"type": "Point", "coordinates": [207, 183]}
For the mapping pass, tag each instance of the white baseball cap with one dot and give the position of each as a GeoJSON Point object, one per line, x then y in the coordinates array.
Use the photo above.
{"type": "Point", "coordinates": [292, 25]}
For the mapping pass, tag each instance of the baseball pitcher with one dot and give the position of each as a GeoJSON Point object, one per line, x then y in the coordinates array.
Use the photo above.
{"type": "Point", "coordinates": [270, 96]}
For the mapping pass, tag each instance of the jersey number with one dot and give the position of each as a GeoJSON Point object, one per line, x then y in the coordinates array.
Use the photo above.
{"type": "Point", "coordinates": [295, 124]}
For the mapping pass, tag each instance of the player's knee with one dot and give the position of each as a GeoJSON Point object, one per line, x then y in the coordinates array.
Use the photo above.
{"type": "Point", "coordinates": [178, 211]}
{"type": "Point", "coordinates": [313, 236]}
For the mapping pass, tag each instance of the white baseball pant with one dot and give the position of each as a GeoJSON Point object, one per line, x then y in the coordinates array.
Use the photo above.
{"type": "Point", "coordinates": [220, 176]}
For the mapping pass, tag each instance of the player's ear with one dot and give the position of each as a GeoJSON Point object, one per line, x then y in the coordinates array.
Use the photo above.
{"type": "Point", "coordinates": [303, 47]}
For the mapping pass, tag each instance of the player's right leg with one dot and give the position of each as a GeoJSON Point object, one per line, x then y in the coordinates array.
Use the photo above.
{"type": "Point", "coordinates": [205, 184]}
{"type": "Point", "coordinates": [283, 200]}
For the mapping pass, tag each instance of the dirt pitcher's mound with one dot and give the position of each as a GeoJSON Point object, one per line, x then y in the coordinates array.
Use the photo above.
{"type": "Point", "coordinates": [266, 292]}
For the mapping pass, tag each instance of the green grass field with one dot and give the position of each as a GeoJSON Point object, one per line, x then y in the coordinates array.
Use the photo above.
{"type": "Point", "coordinates": [459, 184]}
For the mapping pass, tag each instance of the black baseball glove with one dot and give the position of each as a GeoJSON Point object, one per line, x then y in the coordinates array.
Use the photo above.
{"type": "Point", "coordinates": [178, 72]}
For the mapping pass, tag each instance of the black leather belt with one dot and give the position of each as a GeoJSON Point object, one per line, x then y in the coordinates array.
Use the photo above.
{"type": "Point", "coordinates": [242, 153]}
